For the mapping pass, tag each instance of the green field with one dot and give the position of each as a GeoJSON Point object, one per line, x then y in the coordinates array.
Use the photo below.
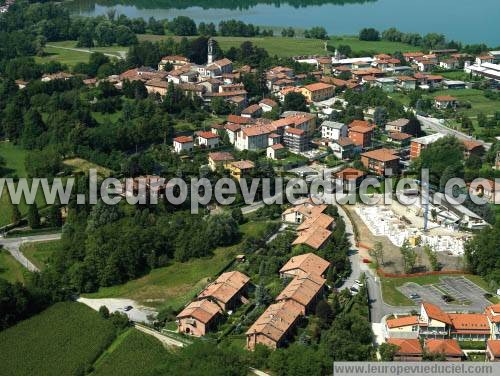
{"type": "Point", "coordinates": [476, 98]}
{"type": "Point", "coordinates": [285, 47]}
{"type": "Point", "coordinates": [66, 52]}
{"type": "Point", "coordinates": [10, 269]}
{"type": "Point", "coordinates": [174, 285]}
{"type": "Point", "coordinates": [39, 252]}
{"type": "Point", "coordinates": [82, 165]}
{"type": "Point", "coordinates": [133, 353]}
{"type": "Point", "coordinates": [14, 157]}
{"type": "Point", "coordinates": [65, 339]}
{"type": "Point", "coordinates": [394, 297]}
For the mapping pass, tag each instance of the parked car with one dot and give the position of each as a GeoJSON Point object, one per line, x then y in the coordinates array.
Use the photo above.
{"type": "Point", "coordinates": [414, 296]}
{"type": "Point", "coordinates": [128, 308]}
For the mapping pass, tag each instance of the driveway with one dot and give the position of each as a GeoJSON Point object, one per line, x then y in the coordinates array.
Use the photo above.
{"type": "Point", "coordinates": [138, 313]}
{"type": "Point", "coordinates": [13, 245]}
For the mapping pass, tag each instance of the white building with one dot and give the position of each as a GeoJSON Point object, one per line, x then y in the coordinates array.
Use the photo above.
{"type": "Point", "coordinates": [333, 130]}
{"type": "Point", "coordinates": [183, 144]}
{"type": "Point", "coordinates": [208, 140]}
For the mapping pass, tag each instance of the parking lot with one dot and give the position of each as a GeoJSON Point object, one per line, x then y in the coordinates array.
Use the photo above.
{"type": "Point", "coordinates": [466, 295]}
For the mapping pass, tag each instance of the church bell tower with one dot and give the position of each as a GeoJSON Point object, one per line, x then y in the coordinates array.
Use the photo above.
{"type": "Point", "coordinates": [210, 57]}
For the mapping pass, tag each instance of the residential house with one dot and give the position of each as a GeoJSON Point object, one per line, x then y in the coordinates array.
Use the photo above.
{"type": "Point", "coordinates": [493, 350]}
{"type": "Point", "coordinates": [317, 92]}
{"type": "Point", "coordinates": [419, 144]}
{"type": "Point", "coordinates": [426, 65]}
{"type": "Point", "coordinates": [268, 105]}
{"type": "Point", "coordinates": [300, 212]}
{"type": "Point", "coordinates": [219, 159]}
{"type": "Point", "coordinates": [252, 137]}
{"type": "Point", "coordinates": [472, 147]}
{"type": "Point", "coordinates": [333, 130]}
{"type": "Point", "coordinates": [199, 317]}
{"type": "Point", "coordinates": [305, 290]}
{"type": "Point", "coordinates": [303, 265]}
{"type": "Point", "coordinates": [406, 327]}
{"type": "Point", "coordinates": [183, 144]}
{"type": "Point", "coordinates": [298, 119]}
{"type": "Point", "coordinates": [275, 326]}
{"type": "Point", "coordinates": [207, 139]}
{"type": "Point", "coordinates": [344, 148]}
{"type": "Point", "coordinates": [399, 125]}
{"type": "Point", "coordinates": [454, 84]}
{"type": "Point", "coordinates": [488, 189]}
{"type": "Point", "coordinates": [449, 348]}
{"type": "Point", "coordinates": [434, 323]}
{"type": "Point", "coordinates": [176, 61]}
{"type": "Point", "coordinates": [253, 111]}
{"type": "Point", "coordinates": [361, 135]}
{"type": "Point", "coordinates": [408, 350]}
{"type": "Point", "coordinates": [443, 102]}
{"type": "Point", "coordinates": [493, 314]}
{"type": "Point", "coordinates": [406, 83]}
{"type": "Point", "coordinates": [349, 178]}
{"type": "Point", "coordinates": [295, 140]}
{"type": "Point", "coordinates": [469, 326]}
{"type": "Point", "coordinates": [156, 86]}
{"type": "Point", "coordinates": [387, 84]}
{"type": "Point", "coordinates": [400, 139]}
{"type": "Point", "coordinates": [380, 161]}
{"type": "Point", "coordinates": [227, 291]}
{"type": "Point", "coordinates": [232, 131]}
{"type": "Point", "coordinates": [240, 169]}
{"type": "Point", "coordinates": [276, 151]}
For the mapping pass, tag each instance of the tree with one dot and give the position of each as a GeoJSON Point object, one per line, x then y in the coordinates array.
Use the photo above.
{"type": "Point", "coordinates": [380, 117]}
{"type": "Point", "coordinates": [295, 102]}
{"type": "Point", "coordinates": [15, 214]}
{"type": "Point", "coordinates": [33, 216]}
{"type": "Point", "coordinates": [409, 257]}
{"type": "Point", "coordinates": [324, 314]}
{"type": "Point", "coordinates": [377, 252]}
{"type": "Point", "coordinates": [432, 256]}
{"type": "Point", "coordinates": [237, 215]}
{"type": "Point", "coordinates": [104, 312]}
{"type": "Point", "coordinates": [182, 25]}
{"type": "Point", "coordinates": [369, 34]}
{"type": "Point", "coordinates": [387, 351]}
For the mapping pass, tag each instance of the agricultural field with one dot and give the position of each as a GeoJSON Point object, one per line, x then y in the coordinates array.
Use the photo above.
{"type": "Point", "coordinates": [286, 47]}
{"type": "Point", "coordinates": [174, 285]}
{"type": "Point", "coordinates": [67, 337]}
{"type": "Point", "coordinates": [10, 269]}
{"type": "Point", "coordinates": [39, 252]}
{"type": "Point", "coordinates": [133, 353]}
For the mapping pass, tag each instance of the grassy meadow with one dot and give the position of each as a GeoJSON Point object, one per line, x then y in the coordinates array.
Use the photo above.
{"type": "Point", "coordinates": [39, 252]}
{"type": "Point", "coordinates": [10, 269]}
{"type": "Point", "coordinates": [174, 285]}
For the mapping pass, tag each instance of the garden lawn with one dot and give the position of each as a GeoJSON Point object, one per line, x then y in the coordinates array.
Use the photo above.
{"type": "Point", "coordinates": [133, 353]}
{"type": "Point", "coordinates": [176, 284]}
{"type": "Point", "coordinates": [10, 269]}
{"type": "Point", "coordinates": [39, 252]}
{"type": "Point", "coordinates": [65, 339]}
{"type": "Point", "coordinates": [394, 297]}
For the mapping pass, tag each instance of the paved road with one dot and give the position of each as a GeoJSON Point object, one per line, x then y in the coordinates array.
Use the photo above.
{"type": "Point", "coordinates": [138, 313]}
{"type": "Point", "coordinates": [167, 341]}
{"type": "Point", "coordinates": [436, 126]}
{"type": "Point", "coordinates": [13, 245]}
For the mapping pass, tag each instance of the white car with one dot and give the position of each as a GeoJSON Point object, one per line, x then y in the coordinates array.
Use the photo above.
{"type": "Point", "coordinates": [358, 282]}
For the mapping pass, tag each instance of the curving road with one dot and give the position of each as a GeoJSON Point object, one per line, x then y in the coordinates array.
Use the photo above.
{"type": "Point", "coordinates": [13, 245]}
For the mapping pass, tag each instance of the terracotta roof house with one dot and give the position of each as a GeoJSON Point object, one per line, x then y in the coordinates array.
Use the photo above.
{"type": "Point", "coordinates": [493, 350]}
{"type": "Point", "coordinates": [240, 120]}
{"type": "Point", "coordinates": [409, 349]}
{"type": "Point", "coordinates": [380, 161]}
{"type": "Point", "coordinates": [472, 147]}
{"type": "Point", "coordinates": [305, 264]}
{"type": "Point", "coordinates": [313, 237]}
{"type": "Point", "coordinates": [399, 125]}
{"type": "Point", "coordinates": [207, 139]}
{"type": "Point", "coordinates": [252, 111]}
{"type": "Point", "coordinates": [219, 159]}
{"type": "Point", "coordinates": [304, 290]}
{"type": "Point", "coordinates": [199, 317]}
{"type": "Point", "coordinates": [349, 178]}
{"type": "Point", "coordinates": [402, 139]}
{"type": "Point", "coordinates": [360, 123]}
{"type": "Point", "coordinates": [299, 213]}
{"type": "Point", "coordinates": [447, 347]}
{"type": "Point", "coordinates": [469, 326]}
{"type": "Point", "coordinates": [322, 220]}
{"type": "Point", "coordinates": [226, 291]}
{"type": "Point", "coordinates": [274, 327]}
{"type": "Point", "coordinates": [443, 102]}
{"type": "Point", "coordinates": [267, 104]}
{"type": "Point", "coordinates": [318, 91]}
{"type": "Point", "coordinates": [239, 169]}
{"type": "Point", "coordinates": [183, 144]}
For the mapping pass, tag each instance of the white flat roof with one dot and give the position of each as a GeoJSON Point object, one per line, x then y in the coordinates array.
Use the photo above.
{"type": "Point", "coordinates": [426, 140]}
{"type": "Point", "coordinates": [353, 60]}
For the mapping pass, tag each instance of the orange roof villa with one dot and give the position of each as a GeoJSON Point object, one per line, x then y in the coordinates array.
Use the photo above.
{"type": "Point", "coordinates": [301, 265]}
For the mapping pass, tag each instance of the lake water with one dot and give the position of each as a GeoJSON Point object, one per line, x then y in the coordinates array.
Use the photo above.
{"type": "Point", "coordinates": [464, 20]}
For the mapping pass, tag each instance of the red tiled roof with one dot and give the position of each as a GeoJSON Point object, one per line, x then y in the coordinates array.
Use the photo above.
{"type": "Point", "coordinates": [445, 98]}
{"type": "Point", "coordinates": [494, 347]}
{"type": "Point", "coordinates": [360, 123]}
{"type": "Point", "coordinates": [447, 347]}
{"type": "Point", "coordinates": [406, 346]}
{"type": "Point", "coordinates": [239, 119]}
{"type": "Point", "coordinates": [383, 155]}
{"type": "Point", "coordinates": [469, 323]}
{"type": "Point", "coordinates": [434, 312]}
{"type": "Point", "coordinates": [309, 263]}
{"type": "Point", "coordinates": [207, 134]}
{"type": "Point", "coordinates": [318, 86]}
{"type": "Point", "coordinates": [295, 131]}
{"type": "Point", "coordinates": [349, 173]}
{"type": "Point", "coordinates": [221, 156]}
{"type": "Point", "coordinates": [400, 136]}
{"type": "Point", "coordinates": [183, 139]}
{"type": "Point", "coordinates": [402, 321]}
